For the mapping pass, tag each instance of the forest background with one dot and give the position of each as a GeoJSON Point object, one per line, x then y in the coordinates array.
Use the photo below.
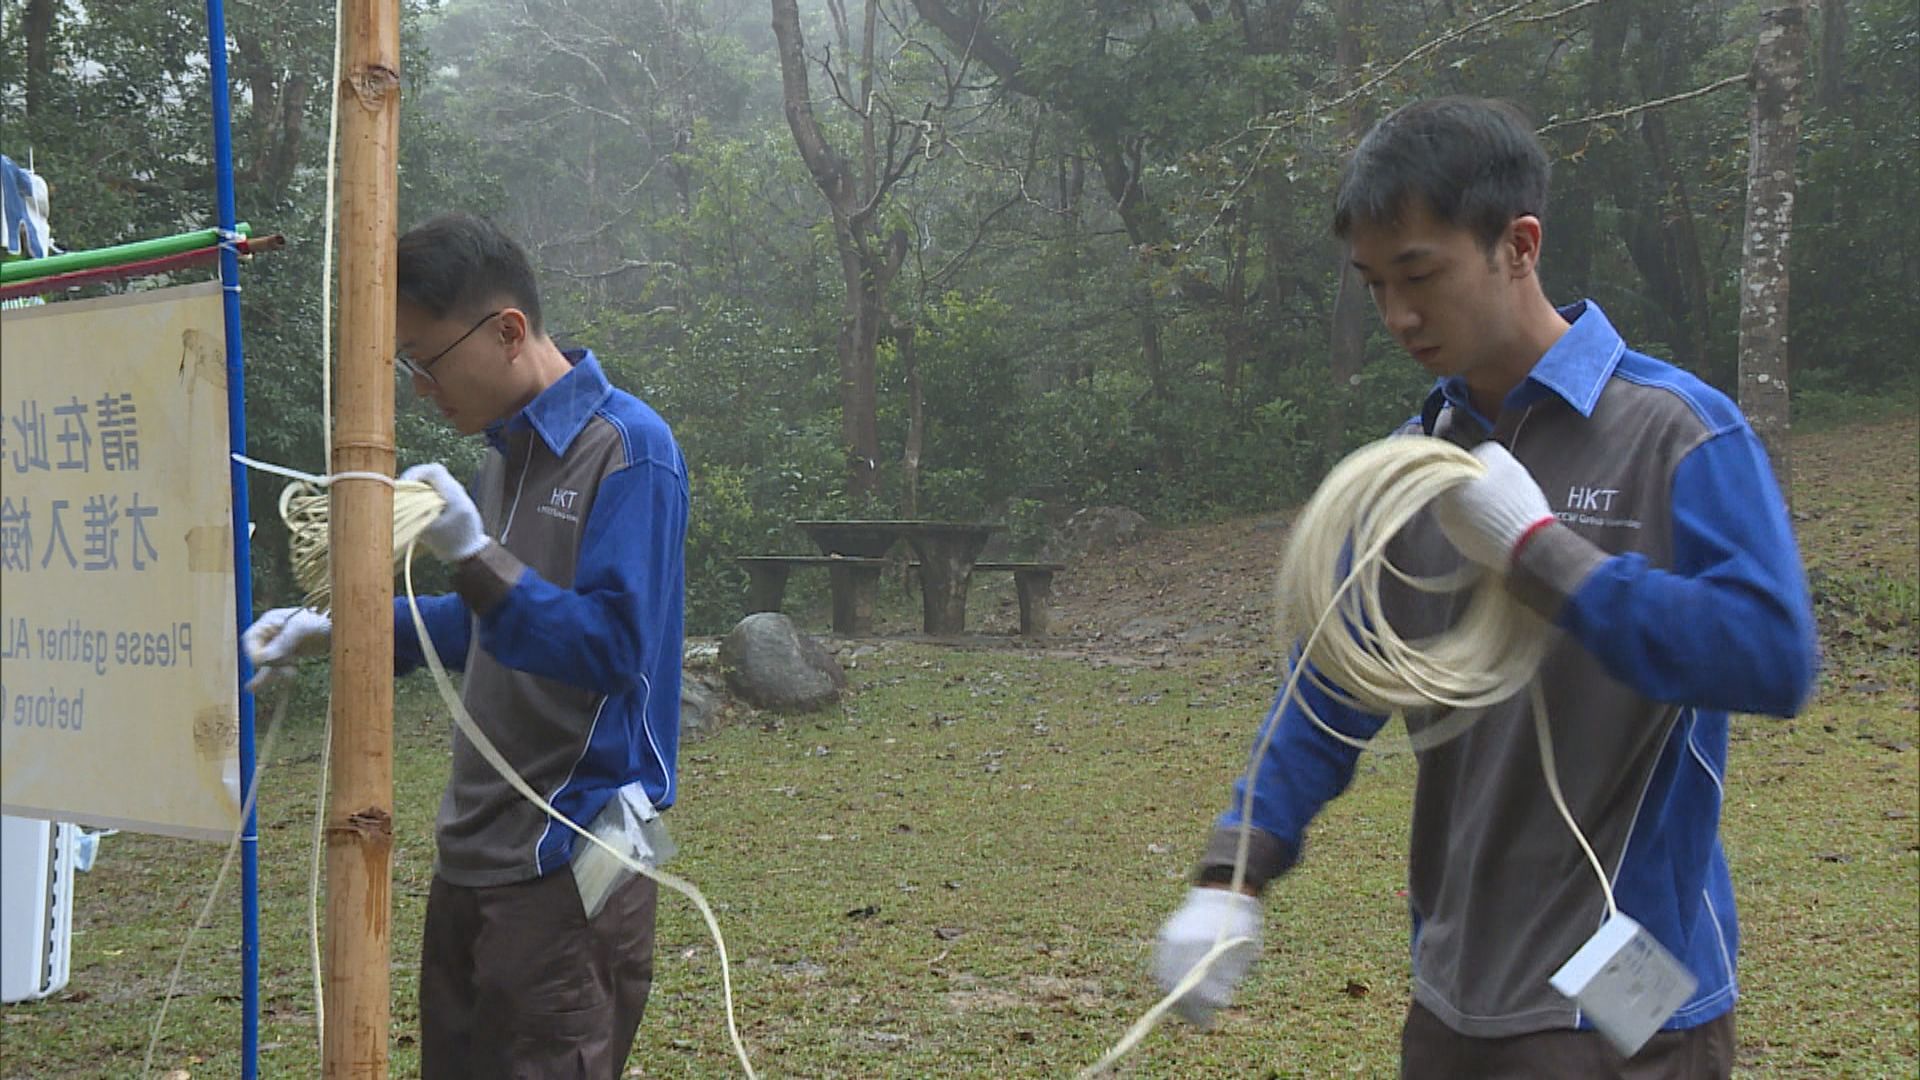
{"type": "Point", "coordinates": [952, 259]}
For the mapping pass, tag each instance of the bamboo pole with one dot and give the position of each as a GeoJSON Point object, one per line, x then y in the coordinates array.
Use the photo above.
{"type": "Point", "coordinates": [360, 807]}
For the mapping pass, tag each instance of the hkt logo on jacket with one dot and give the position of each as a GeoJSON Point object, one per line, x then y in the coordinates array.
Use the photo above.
{"type": "Point", "coordinates": [560, 505]}
{"type": "Point", "coordinates": [1587, 505]}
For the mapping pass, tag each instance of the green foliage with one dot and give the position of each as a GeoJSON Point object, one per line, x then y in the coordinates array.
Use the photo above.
{"type": "Point", "coordinates": [745, 401]}
{"type": "Point", "coordinates": [721, 525]}
{"type": "Point", "coordinates": [1856, 238]}
{"type": "Point", "coordinates": [1119, 286]}
{"type": "Point", "coordinates": [1825, 398]}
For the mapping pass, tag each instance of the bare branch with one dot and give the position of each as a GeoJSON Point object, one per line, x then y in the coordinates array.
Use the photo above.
{"type": "Point", "coordinates": [839, 92]}
{"type": "Point", "coordinates": [939, 278]}
{"type": "Point", "coordinates": [1657, 103]}
{"type": "Point", "coordinates": [551, 95]}
{"type": "Point", "coordinates": [829, 170]}
{"type": "Point", "coordinates": [972, 36]}
{"type": "Point", "coordinates": [625, 266]}
{"type": "Point", "coordinates": [1281, 121]}
{"type": "Point", "coordinates": [1426, 48]}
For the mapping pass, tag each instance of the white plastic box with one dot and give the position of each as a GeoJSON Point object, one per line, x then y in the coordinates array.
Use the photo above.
{"type": "Point", "coordinates": [36, 907]}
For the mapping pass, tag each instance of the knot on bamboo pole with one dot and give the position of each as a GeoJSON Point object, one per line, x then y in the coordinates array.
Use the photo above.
{"type": "Point", "coordinates": [373, 85]}
{"type": "Point", "coordinates": [370, 822]}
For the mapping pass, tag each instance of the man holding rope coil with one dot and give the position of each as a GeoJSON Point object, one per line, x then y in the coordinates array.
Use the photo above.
{"type": "Point", "coordinates": [1633, 508]}
{"type": "Point", "coordinates": [566, 615]}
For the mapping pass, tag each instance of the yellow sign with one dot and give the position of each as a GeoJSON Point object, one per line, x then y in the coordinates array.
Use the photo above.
{"type": "Point", "coordinates": [118, 696]}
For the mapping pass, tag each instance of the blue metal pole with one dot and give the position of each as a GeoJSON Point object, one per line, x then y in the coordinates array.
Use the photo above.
{"type": "Point", "coordinates": [242, 562]}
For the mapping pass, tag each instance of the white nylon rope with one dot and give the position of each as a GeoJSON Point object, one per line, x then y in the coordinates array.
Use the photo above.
{"type": "Point", "coordinates": [326, 445]}
{"type": "Point", "coordinates": [1490, 654]}
{"type": "Point", "coordinates": [213, 894]}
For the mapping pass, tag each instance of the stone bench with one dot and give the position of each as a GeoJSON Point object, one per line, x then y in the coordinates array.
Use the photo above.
{"type": "Point", "coordinates": [1033, 581]}
{"type": "Point", "coordinates": [853, 583]}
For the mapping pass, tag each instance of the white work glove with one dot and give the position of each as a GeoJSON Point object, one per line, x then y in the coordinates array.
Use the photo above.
{"type": "Point", "coordinates": [1486, 518]}
{"type": "Point", "coordinates": [456, 534]}
{"type": "Point", "coordinates": [280, 639]}
{"type": "Point", "coordinates": [1209, 916]}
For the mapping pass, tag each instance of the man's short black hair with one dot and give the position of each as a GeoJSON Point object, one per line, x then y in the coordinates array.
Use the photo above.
{"type": "Point", "coordinates": [457, 264]}
{"type": "Point", "coordinates": [1474, 162]}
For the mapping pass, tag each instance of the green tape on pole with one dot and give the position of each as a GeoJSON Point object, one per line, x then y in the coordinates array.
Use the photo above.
{"type": "Point", "coordinates": [29, 269]}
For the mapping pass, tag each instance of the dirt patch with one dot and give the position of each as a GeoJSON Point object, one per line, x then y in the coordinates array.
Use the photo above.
{"type": "Point", "coordinates": [1178, 595]}
{"type": "Point", "coordinates": [1187, 593]}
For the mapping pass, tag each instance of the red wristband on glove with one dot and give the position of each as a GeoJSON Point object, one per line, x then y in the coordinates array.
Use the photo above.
{"type": "Point", "coordinates": [1530, 532]}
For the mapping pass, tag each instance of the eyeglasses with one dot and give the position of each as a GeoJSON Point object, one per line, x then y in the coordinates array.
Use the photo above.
{"type": "Point", "coordinates": [422, 368]}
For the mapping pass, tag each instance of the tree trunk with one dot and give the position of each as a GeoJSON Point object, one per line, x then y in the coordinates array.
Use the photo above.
{"type": "Point", "coordinates": [1683, 243]}
{"type": "Point", "coordinates": [1237, 334]}
{"type": "Point", "coordinates": [1573, 234]}
{"type": "Point", "coordinates": [866, 269]}
{"type": "Point", "coordinates": [1830, 87]}
{"type": "Point", "coordinates": [1073, 185]}
{"type": "Point", "coordinates": [36, 23]}
{"type": "Point", "coordinates": [916, 416]}
{"type": "Point", "coordinates": [1774, 136]}
{"type": "Point", "coordinates": [1347, 352]}
{"type": "Point", "coordinates": [859, 378]}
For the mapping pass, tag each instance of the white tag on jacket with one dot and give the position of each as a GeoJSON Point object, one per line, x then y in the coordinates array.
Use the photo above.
{"type": "Point", "coordinates": [1625, 982]}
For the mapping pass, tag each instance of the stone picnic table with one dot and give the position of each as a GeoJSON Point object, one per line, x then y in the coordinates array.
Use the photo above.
{"type": "Point", "coordinates": [946, 551]}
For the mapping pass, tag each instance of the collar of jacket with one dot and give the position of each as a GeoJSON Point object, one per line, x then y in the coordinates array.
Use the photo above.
{"type": "Point", "coordinates": [1575, 370]}
{"type": "Point", "coordinates": [562, 410]}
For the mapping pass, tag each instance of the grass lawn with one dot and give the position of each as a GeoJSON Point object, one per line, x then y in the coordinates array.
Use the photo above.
{"type": "Point", "coordinates": [959, 873]}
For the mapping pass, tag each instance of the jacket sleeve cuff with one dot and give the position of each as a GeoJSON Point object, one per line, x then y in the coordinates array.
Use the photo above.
{"type": "Point", "coordinates": [1268, 857]}
{"type": "Point", "coordinates": [1551, 567]}
{"type": "Point", "coordinates": [484, 580]}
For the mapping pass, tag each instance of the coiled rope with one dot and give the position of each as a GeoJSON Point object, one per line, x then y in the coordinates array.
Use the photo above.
{"type": "Point", "coordinates": [1333, 567]}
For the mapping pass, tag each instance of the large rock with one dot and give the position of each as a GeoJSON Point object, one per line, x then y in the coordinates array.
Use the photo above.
{"type": "Point", "coordinates": [1094, 529]}
{"type": "Point", "coordinates": [699, 706]}
{"type": "Point", "coordinates": [772, 665]}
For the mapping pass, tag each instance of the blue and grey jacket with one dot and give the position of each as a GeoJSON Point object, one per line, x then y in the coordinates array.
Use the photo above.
{"type": "Point", "coordinates": [1678, 591]}
{"type": "Point", "coordinates": [569, 626]}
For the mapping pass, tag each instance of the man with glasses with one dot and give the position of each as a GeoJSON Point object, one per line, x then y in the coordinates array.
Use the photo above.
{"type": "Point", "coordinates": [566, 616]}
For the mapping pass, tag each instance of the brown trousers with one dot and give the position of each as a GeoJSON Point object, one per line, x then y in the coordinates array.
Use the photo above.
{"type": "Point", "coordinates": [516, 984]}
{"type": "Point", "coordinates": [1430, 1050]}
